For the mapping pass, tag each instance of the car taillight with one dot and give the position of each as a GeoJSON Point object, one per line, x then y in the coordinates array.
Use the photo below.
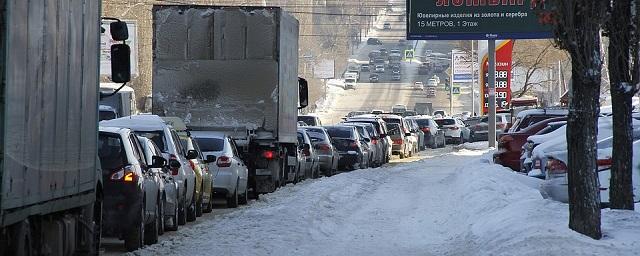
{"type": "Point", "coordinates": [374, 141]}
{"type": "Point", "coordinates": [125, 174]}
{"type": "Point", "coordinates": [398, 141]}
{"type": "Point", "coordinates": [174, 170]}
{"type": "Point", "coordinates": [604, 164]}
{"type": "Point", "coordinates": [453, 128]}
{"type": "Point", "coordinates": [269, 154]}
{"type": "Point", "coordinates": [306, 152]}
{"type": "Point", "coordinates": [504, 140]}
{"type": "Point", "coordinates": [426, 129]}
{"type": "Point", "coordinates": [223, 161]}
{"type": "Point", "coordinates": [556, 167]}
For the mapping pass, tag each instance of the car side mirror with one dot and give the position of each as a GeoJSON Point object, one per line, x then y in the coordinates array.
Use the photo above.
{"type": "Point", "coordinates": [210, 159]}
{"type": "Point", "coordinates": [303, 92]}
{"type": "Point", "coordinates": [158, 162]}
{"type": "Point", "coordinates": [119, 30]}
{"type": "Point", "coordinates": [192, 154]}
{"type": "Point", "coordinates": [174, 163]}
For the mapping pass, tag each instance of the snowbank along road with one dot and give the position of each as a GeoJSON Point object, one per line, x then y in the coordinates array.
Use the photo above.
{"type": "Point", "coordinates": [452, 202]}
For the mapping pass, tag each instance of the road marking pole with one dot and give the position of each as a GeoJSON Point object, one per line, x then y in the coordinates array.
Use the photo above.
{"type": "Point", "coordinates": [492, 92]}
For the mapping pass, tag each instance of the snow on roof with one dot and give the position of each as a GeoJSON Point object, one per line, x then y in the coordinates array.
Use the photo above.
{"type": "Point", "coordinates": [110, 87]}
{"type": "Point", "coordinates": [117, 130]}
{"type": "Point", "coordinates": [137, 122]}
{"type": "Point", "coordinates": [541, 111]}
{"type": "Point", "coordinates": [106, 108]}
{"type": "Point", "coordinates": [207, 134]}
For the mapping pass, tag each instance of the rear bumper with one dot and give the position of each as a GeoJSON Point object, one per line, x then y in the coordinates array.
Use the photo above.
{"type": "Point", "coordinates": [122, 208]}
{"type": "Point", "coordinates": [348, 160]}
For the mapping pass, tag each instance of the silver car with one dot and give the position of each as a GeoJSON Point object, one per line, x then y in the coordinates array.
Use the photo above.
{"type": "Point", "coordinates": [231, 174]}
{"type": "Point", "coordinates": [169, 187]}
{"type": "Point", "coordinates": [328, 156]}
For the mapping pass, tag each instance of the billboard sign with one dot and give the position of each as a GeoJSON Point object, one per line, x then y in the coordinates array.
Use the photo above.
{"type": "Point", "coordinates": [477, 19]}
{"type": "Point", "coordinates": [502, 91]}
{"type": "Point", "coordinates": [105, 47]}
{"type": "Point", "coordinates": [462, 67]}
{"type": "Point", "coordinates": [324, 69]}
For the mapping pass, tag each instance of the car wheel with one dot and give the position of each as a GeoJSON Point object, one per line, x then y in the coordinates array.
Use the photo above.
{"type": "Point", "coordinates": [174, 219]}
{"type": "Point", "coordinates": [199, 204]}
{"type": "Point", "coordinates": [232, 201]}
{"type": "Point", "coordinates": [244, 198]}
{"type": "Point", "coordinates": [191, 210]}
{"type": "Point", "coordinates": [182, 211]}
{"type": "Point", "coordinates": [151, 229]}
{"type": "Point", "coordinates": [209, 206]}
{"type": "Point", "coordinates": [133, 240]}
{"type": "Point", "coordinates": [161, 216]}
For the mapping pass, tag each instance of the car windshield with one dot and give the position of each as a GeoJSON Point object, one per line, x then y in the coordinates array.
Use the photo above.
{"type": "Point", "coordinates": [210, 144]}
{"type": "Point", "coordinates": [157, 137]}
{"type": "Point", "coordinates": [111, 152]}
{"type": "Point", "coordinates": [340, 132]}
{"type": "Point", "coordinates": [393, 129]}
{"type": "Point", "coordinates": [107, 115]}
{"type": "Point", "coordinates": [423, 122]}
{"type": "Point", "coordinates": [442, 122]}
{"type": "Point", "coordinates": [309, 120]}
{"type": "Point", "coordinates": [316, 136]}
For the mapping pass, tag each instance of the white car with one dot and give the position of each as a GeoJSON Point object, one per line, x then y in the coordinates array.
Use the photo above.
{"type": "Point", "coordinates": [454, 129]}
{"type": "Point", "coordinates": [380, 68]}
{"type": "Point", "coordinates": [432, 83]}
{"type": "Point", "coordinates": [418, 86]}
{"type": "Point", "coordinates": [399, 108]}
{"type": "Point", "coordinates": [231, 174]}
{"type": "Point", "coordinates": [555, 185]}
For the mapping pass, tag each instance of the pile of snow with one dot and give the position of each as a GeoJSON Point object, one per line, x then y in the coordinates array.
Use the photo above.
{"type": "Point", "coordinates": [456, 204]}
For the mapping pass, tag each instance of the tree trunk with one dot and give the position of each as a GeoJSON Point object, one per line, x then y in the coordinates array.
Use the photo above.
{"type": "Point", "coordinates": [621, 186]}
{"type": "Point", "coordinates": [584, 196]}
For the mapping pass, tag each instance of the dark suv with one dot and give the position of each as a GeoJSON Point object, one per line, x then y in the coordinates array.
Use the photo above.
{"type": "Point", "coordinates": [374, 41]}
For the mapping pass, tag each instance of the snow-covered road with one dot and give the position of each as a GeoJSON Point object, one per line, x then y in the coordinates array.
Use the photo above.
{"type": "Point", "coordinates": [452, 202]}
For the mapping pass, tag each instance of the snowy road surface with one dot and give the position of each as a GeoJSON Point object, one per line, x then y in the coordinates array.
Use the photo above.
{"type": "Point", "coordinates": [452, 202]}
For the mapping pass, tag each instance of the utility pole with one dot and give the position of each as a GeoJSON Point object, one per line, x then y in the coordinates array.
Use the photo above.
{"type": "Point", "coordinates": [473, 80]}
{"type": "Point", "coordinates": [451, 86]}
{"type": "Point", "coordinates": [492, 92]}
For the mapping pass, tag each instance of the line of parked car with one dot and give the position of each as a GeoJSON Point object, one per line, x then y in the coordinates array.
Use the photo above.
{"type": "Point", "coordinates": [158, 175]}
{"type": "Point", "coordinates": [536, 145]}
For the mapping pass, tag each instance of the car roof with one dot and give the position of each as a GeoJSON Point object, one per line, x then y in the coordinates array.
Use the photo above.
{"type": "Point", "coordinates": [542, 111]}
{"type": "Point", "coordinates": [106, 108]}
{"type": "Point", "coordinates": [114, 130]}
{"type": "Point", "coordinates": [207, 134]}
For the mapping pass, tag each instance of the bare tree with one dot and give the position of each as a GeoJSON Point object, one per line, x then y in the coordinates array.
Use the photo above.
{"type": "Point", "coordinates": [532, 63]}
{"type": "Point", "coordinates": [577, 27]}
{"type": "Point", "coordinates": [619, 29]}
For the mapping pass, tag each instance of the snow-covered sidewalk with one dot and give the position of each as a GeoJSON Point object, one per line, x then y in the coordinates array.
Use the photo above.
{"type": "Point", "coordinates": [449, 203]}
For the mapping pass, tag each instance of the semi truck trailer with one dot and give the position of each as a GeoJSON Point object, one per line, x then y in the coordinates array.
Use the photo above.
{"type": "Point", "coordinates": [237, 73]}
{"type": "Point", "coordinates": [50, 178]}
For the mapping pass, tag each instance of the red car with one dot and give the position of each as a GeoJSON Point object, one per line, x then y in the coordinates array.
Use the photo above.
{"type": "Point", "coordinates": [510, 144]}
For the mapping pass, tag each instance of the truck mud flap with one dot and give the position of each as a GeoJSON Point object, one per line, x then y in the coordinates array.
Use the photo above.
{"type": "Point", "coordinates": [264, 184]}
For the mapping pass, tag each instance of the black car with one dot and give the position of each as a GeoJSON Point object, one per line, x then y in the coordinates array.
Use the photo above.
{"type": "Point", "coordinates": [364, 68]}
{"type": "Point", "coordinates": [374, 41]}
{"type": "Point", "coordinates": [347, 141]}
{"type": "Point", "coordinates": [131, 209]}
{"type": "Point", "coordinates": [374, 78]}
{"type": "Point", "coordinates": [383, 52]}
{"type": "Point", "coordinates": [374, 54]}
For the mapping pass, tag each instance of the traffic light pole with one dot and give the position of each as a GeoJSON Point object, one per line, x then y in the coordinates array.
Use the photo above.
{"type": "Point", "coordinates": [451, 87]}
{"type": "Point", "coordinates": [492, 92]}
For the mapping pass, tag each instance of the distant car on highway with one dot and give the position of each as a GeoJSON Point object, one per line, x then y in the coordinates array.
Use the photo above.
{"type": "Point", "coordinates": [383, 52]}
{"type": "Point", "coordinates": [394, 51]}
{"type": "Point", "coordinates": [399, 108]}
{"type": "Point", "coordinates": [442, 113]}
{"type": "Point", "coordinates": [374, 41]}
{"type": "Point", "coordinates": [396, 77]}
{"type": "Point", "coordinates": [431, 92]}
{"type": "Point", "coordinates": [386, 26]}
{"type": "Point", "coordinates": [374, 54]}
{"type": "Point", "coordinates": [380, 68]}
{"type": "Point", "coordinates": [432, 83]}
{"type": "Point", "coordinates": [364, 68]}
{"type": "Point", "coordinates": [418, 86]}
{"type": "Point", "coordinates": [374, 78]}
{"type": "Point", "coordinates": [395, 71]}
